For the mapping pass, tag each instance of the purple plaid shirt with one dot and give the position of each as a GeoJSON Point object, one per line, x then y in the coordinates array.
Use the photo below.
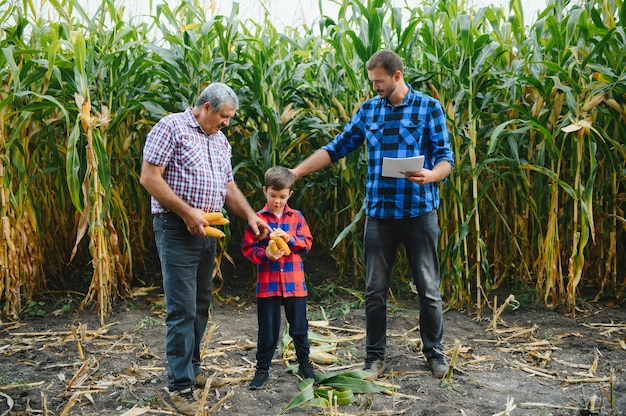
{"type": "Point", "coordinates": [197, 165]}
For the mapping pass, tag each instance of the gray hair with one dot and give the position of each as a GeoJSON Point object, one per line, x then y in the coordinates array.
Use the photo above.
{"type": "Point", "coordinates": [218, 95]}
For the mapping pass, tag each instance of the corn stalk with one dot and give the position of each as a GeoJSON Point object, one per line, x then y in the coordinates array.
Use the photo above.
{"type": "Point", "coordinates": [528, 205]}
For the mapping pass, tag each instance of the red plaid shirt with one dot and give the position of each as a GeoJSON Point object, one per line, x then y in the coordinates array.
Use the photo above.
{"type": "Point", "coordinates": [197, 165]}
{"type": "Point", "coordinates": [285, 276]}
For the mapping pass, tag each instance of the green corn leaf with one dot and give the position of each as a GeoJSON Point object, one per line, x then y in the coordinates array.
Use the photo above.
{"type": "Point", "coordinates": [306, 394]}
{"type": "Point", "coordinates": [80, 59]}
{"type": "Point", "coordinates": [353, 381]}
{"type": "Point", "coordinates": [333, 396]}
{"type": "Point", "coordinates": [72, 167]}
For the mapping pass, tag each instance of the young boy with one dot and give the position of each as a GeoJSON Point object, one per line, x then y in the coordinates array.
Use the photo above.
{"type": "Point", "coordinates": [280, 275]}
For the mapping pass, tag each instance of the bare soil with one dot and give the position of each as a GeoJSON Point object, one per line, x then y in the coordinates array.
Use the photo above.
{"type": "Point", "coordinates": [528, 360]}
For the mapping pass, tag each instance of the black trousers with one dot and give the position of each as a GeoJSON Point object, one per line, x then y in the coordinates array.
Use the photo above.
{"type": "Point", "coordinates": [269, 319]}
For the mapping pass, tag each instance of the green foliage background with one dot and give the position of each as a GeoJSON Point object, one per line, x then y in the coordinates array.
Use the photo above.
{"type": "Point", "coordinates": [537, 113]}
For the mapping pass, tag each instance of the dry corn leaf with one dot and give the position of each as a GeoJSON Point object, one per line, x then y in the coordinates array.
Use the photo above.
{"type": "Point", "coordinates": [542, 372]}
{"type": "Point", "coordinates": [142, 291]}
{"type": "Point", "coordinates": [136, 411]}
{"type": "Point", "coordinates": [323, 357]}
{"type": "Point", "coordinates": [575, 380]}
{"type": "Point", "coordinates": [9, 401]}
{"type": "Point", "coordinates": [319, 324]}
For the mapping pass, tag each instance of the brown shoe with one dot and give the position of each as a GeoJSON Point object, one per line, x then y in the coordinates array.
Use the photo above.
{"type": "Point", "coordinates": [201, 380]}
{"type": "Point", "coordinates": [185, 401]}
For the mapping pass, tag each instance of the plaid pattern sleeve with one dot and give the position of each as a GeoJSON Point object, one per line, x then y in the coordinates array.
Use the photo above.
{"type": "Point", "coordinates": [285, 276]}
{"type": "Point", "coordinates": [415, 127]}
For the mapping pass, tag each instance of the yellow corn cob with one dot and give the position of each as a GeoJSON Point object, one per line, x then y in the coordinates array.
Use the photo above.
{"type": "Point", "coordinates": [211, 217]}
{"type": "Point", "coordinates": [281, 244]}
{"type": "Point", "coordinates": [272, 246]}
{"type": "Point", "coordinates": [220, 221]}
{"type": "Point", "coordinates": [323, 357]}
{"type": "Point", "coordinates": [213, 232]}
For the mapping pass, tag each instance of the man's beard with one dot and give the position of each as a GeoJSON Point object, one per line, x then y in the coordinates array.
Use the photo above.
{"type": "Point", "coordinates": [388, 94]}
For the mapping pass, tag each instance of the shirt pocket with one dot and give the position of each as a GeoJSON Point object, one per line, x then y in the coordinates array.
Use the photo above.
{"type": "Point", "coordinates": [411, 131]}
{"type": "Point", "coordinates": [374, 133]}
{"type": "Point", "coordinates": [192, 154]}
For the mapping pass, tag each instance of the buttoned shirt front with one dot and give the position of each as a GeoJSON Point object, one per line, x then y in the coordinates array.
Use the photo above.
{"type": "Point", "coordinates": [285, 276]}
{"type": "Point", "coordinates": [197, 165]}
{"type": "Point", "coordinates": [415, 127]}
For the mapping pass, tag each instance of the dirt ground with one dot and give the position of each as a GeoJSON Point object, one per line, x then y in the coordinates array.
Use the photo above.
{"type": "Point", "coordinates": [527, 360]}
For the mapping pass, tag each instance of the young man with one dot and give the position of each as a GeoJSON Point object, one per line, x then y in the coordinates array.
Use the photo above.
{"type": "Point", "coordinates": [280, 275]}
{"type": "Point", "coordinates": [187, 171]}
{"type": "Point", "coordinates": [400, 122]}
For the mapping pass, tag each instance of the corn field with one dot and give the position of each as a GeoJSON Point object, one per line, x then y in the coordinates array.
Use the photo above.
{"type": "Point", "coordinates": [536, 112]}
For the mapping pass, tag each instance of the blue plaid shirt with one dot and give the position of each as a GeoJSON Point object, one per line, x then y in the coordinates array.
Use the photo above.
{"type": "Point", "coordinates": [415, 127]}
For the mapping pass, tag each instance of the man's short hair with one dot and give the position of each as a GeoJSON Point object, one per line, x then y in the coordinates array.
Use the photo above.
{"type": "Point", "coordinates": [387, 60]}
{"type": "Point", "coordinates": [218, 95]}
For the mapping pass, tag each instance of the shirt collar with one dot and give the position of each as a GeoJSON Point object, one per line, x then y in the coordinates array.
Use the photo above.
{"type": "Point", "coordinates": [190, 118]}
{"type": "Point", "coordinates": [193, 123]}
{"type": "Point", "coordinates": [408, 99]}
{"type": "Point", "coordinates": [267, 210]}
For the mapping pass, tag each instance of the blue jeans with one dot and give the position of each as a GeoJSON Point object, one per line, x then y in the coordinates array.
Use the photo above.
{"type": "Point", "coordinates": [419, 236]}
{"type": "Point", "coordinates": [268, 315]}
{"type": "Point", "coordinates": [187, 263]}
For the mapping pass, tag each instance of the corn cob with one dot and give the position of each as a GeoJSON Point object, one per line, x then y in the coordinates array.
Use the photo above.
{"type": "Point", "coordinates": [272, 246]}
{"type": "Point", "coordinates": [323, 357]}
{"type": "Point", "coordinates": [220, 221]}
{"type": "Point", "coordinates": [281, 244]}
{"type": "Point", "coordinates": [213, 232]}
{"type": "Point", "coordinates": [216, 218]}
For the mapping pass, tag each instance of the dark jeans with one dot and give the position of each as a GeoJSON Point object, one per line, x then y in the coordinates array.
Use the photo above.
{"type": "Point", "coordinates": [187, 266]}
{"type": "Point", "coordinates": [269, 318]}
{"type": "Point", "coordinates": [419, 236]}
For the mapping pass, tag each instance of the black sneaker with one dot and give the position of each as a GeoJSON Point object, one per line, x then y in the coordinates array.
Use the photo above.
{"type": "Point", "coordinates": [437, 365]}
{"type": "Point", "coordinates": [306, 371]}
{"type": "Point", "coordinates": [260, 377]}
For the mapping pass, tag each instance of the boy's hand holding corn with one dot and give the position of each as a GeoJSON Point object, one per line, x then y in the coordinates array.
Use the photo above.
{"type": "Point", "coordinates": [277, 247]}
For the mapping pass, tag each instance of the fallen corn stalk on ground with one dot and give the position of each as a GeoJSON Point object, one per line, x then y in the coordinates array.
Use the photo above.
{"type": "Point", "coordinates": [522, 361]}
